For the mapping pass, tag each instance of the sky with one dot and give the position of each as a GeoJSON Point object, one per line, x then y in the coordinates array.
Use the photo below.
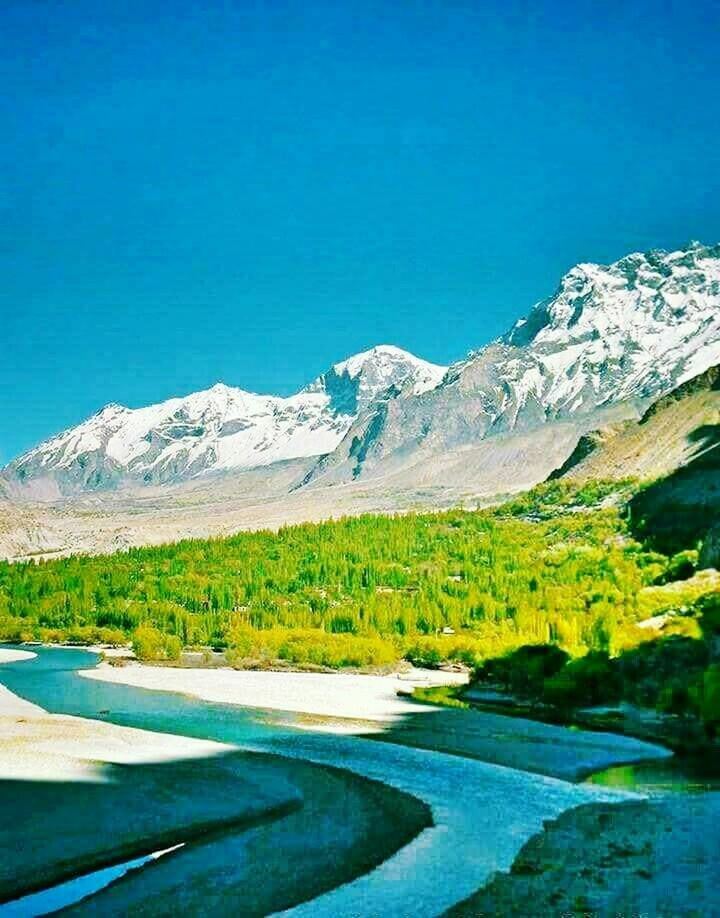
{"type": "Point", "coordinates": [248, 192]}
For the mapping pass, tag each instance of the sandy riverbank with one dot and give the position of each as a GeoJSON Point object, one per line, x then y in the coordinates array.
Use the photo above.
{"type": "Point", "coordinates": [10, 704]}
{"type": "Point", "coordinates": [363, 698]}
{"type": "Point", "coordinates": [97, 818]}
{"type": "Point", "coordinates": [38, 746]}
{"type": "Point", "coordinates": [127, 792]}
{"type": "Point", "coordinates": [546, 749]}
{"type": "Point", "coordinates": [482, 813]}
{"type": "Point", "coordinates": [656, 858]}
{"type": "Point", "coordinates": [14, 656]}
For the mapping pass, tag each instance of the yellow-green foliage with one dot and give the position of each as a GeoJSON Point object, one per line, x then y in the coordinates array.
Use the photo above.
{"type": "Point", "coordinates": [306, 646]}
{"type": "Point", "coordinates": [150, 643]}
{"type": "Point", "coordinates": [677, 596]}
{"type": "Point", "coordinates": [445, 695]}
{"type": "Point", "coordinates": [550, 566]}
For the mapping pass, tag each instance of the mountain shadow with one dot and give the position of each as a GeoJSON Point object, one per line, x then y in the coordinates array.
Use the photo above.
{"type": "Point", "coordinates": [679, 511]}
{"type": "Point", "coordinates": [261, 833]}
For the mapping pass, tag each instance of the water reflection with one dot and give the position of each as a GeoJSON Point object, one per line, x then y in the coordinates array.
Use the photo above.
{"type": "Point", "coordinates": [680, 774]}
{"type": "Point", "coordinates": [64, 894]}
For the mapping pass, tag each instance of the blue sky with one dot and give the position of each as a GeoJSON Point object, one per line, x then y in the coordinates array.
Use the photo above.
{"type": "Point", "coordinates": [248, 192]}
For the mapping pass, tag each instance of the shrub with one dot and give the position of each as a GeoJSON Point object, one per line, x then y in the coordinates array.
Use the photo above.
{"type": "Point", "coordinates": [308, 647]}
{"type": "Point", "coordinates": [426, 652]}
{"type": "Point", "coordinates": [681, 695]}
{"type": "Point", "coordinates": [709, 608]}
{"type": "Point", "coordinates": [431, 652]}
{"type": "Point", "coordinates": [647, 669]}
{"type": "Point", "coordinates": [524, 671]}
{"type": "Point", "coordinates": [589, 680]}
{"type": "Point", "coordinates": [15, 631]}
{"type": "Point", "coordinates": [681, 566]}
{"type": "Point", "coordinates": [149, 643]}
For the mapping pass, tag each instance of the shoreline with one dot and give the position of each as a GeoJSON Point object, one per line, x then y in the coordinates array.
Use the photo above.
{"type": "Point", "coordinates": [205, 794]}
{"type": "Point", "coordinates": [649, 857]}
{"type": "Point", "coordinates": [363, 698]}
{"type": "Point", "coordinates": [15, 656]}
{"type": "Point", "coordinates": [383, 709]}
{"type": "Point", "coordinates": [482, 812]}
{"type": "Point", "coordinates": [553, 750]}
{"type": "Point", "coordinates": [634, 722]}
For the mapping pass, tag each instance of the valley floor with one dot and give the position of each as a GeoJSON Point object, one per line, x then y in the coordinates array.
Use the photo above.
{"type": "Point", "coordinates": [116, 522]}
{"type": "Point", "coordinates": [482, 813]}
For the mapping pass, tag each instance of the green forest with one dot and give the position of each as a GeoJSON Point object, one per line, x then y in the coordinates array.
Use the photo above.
{"type": "Point", "coordinates": [558, 565]}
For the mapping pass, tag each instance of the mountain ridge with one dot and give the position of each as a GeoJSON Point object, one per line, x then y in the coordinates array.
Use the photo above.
{"type": "Point", "coordinates": [613, 335]}
{"type": "Point", "coordinates": [220, 428]}
{"type": "Point", "coordinates": [626, 332]}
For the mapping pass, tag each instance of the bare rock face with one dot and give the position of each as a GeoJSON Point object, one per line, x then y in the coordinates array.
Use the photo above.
{"type": "Point", "coordinates": [679, 429]}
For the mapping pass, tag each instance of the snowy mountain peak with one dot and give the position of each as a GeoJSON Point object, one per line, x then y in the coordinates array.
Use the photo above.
{"type": "Point", "coordinates": [613, 334]}
{"type": "Point", "coordinates": [628, 330]}
{"type": "Point", "coordinates": [220, 428]}
{"type": "Point", "coordinates": [220, 388]}
{"type": "Point", "coordinates": [356, 382]}
{"type": "Point", "coordinates": [384, 356]}
{"type": "Point", "coordinates": [640, 289]}
{"type": "Point", "coordinates": [112, 409]}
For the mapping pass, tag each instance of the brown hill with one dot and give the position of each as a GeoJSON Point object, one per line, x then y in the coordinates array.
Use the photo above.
{"type": "Point", "coordinates": [674, 432]}
{"type": "Point", "coordinates": [676, 443]}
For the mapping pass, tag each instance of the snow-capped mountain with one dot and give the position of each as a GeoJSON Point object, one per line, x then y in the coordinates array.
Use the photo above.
{"type": "Point", "coordinates": [221, 428]}
{"type": "Point", "coordinates": [354, 384]}
{"type": "Point", "coordinates": [610, 339]}
{"type": "Point", "coordinates": [622, 333]}
{"type": "Point", "coordinates": [626, 331]}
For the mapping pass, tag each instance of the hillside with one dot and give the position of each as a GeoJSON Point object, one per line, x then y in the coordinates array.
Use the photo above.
{"type": "Point", "coordinates": [674, 431]}
{"type": "Point", "coordinates": [675, 446]}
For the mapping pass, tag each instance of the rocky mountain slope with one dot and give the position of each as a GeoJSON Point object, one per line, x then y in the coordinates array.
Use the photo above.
{"type": "Point", "coordinates": [217, 430]}
{"type": "Point", "coordinates": [619, 334]}
{"type": "Point", "coordinates": [676, 447]}
{"type": "Point", "coordinates": [676, 430]}
{"type": "Point", "coordinates": [391, 432]}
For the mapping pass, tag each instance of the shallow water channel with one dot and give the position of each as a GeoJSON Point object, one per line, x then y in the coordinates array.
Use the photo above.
{"type": "Point", "coordinates": [51, 680]}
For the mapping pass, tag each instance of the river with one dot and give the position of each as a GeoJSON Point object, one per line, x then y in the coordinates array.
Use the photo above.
{"type": "Point", "coordinates": [51, 680]}
{"type": "Point", "coordinates": [482, 813]}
